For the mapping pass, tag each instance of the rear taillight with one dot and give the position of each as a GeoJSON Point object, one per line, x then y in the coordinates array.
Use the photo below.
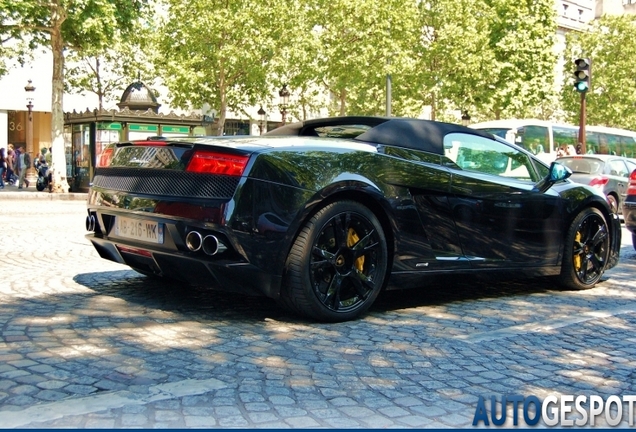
{"type": "Point", "coordinates": [631, 190]}
{"type": "Point", "coordinates": [599, 181]}
{"type": "Point", "coordinates": [105, 157]}
{"type": "Point", "coordinates": [217, 163]}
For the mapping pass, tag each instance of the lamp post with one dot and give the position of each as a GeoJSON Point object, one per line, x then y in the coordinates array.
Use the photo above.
{"type": "Point", "coordinates": [261, 116]}
{"type": "Point", "coordinates": [29, 89]}
{"type": "Point", "coordinates": [284, 100]}
{"type": "Point", "coordinates": [465, 118]}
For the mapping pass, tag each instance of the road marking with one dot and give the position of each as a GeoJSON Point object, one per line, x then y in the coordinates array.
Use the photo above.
{"type": "Point", "coordinates": [111, 400]}
{"type": "Point", "coordinates": [543, 326]}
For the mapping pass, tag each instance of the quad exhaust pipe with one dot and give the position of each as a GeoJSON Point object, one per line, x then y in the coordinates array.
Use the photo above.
{"type": "Point", "coordinates": [212, 246]}
{"type": "Point", "coordinates": [209, 244]}
{"type": "Point", "coordinates": [194, 241]}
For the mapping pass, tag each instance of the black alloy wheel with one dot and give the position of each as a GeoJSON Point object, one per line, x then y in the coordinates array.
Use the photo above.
{"type": "Point", "coordinates": [586, 250]}
{"type": "Point", "coordinates": [337, 265]}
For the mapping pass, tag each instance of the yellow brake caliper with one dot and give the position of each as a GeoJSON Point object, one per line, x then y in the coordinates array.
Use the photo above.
{"type": "Point", "coordinates": [577, 258]}
{"type": "Point", "coordinates": [352, 239]}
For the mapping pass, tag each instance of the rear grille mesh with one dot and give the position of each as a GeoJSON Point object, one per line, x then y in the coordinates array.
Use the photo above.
{"type": "Point", "coordinates": [165, 182]}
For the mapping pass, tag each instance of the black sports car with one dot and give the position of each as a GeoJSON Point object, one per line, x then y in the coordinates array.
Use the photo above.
{"type": "Point", "coordinates": [322, 215]}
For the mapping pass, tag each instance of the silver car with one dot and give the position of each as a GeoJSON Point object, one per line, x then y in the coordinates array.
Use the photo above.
{"type": "Point", "coordinates": [606, 172]}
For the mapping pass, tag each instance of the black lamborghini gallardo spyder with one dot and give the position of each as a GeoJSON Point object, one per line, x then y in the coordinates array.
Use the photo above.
{"type": "Point", "coordinates": [322, 215]}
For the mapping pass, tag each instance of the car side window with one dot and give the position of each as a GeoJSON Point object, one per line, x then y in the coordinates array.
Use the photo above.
{"type": "Point", "coordinates": [475, 153]}
{"type": "Point", "coordinates": [618, 168]}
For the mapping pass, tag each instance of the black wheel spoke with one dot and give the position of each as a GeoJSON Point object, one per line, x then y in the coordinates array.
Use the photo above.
{"type": "Point", "coordinates": [599, 237]}
{"type": "Point", "coordinates": [597, 265]}
{"type": "Point", "coordinates": [583, 269]}
{"type": "Point", "coordinates": [362, 284]}
{"type": "Point", "coordinates": [332, 298]}
{"type": "Point", "coordinates": [364, 245]}
{"type": "Point", "coordinates": [578, 248]}
{"type": "Point", "coordinates": [341, 229]}
{"type": "Point", "coordinates": [326, 256]}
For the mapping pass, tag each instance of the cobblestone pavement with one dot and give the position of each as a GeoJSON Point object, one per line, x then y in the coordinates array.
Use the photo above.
{"type": "Point", "coordinates": [89, 343]}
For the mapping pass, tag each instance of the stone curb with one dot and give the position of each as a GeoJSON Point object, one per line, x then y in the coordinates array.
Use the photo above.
{"type": "Point", "coordinates": [27, 194]}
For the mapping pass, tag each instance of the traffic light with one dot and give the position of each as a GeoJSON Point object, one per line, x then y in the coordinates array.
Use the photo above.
{"type": "Point", "coordinates": [583, 75]}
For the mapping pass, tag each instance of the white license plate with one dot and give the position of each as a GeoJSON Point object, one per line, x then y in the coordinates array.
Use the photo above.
{"type": "Point", "coordinates": [139, 229]}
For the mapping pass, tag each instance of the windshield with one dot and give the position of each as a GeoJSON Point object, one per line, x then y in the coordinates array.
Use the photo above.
{"type": "Point", "coordinates": [500, 132]}
{"type": "Point", "coordinates": [582, 166]}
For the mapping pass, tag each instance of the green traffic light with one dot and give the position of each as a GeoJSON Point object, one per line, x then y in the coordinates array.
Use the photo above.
{"type": "Point", "coordinates": [582, 86]}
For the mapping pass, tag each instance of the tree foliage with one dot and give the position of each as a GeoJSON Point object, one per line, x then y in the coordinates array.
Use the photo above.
{"type": "Point", "coordinates": [220, 52]}
{"type": "Point", "coordinates": [451, 60]}
{"type": "Point", "coordinates": [64, 25]}
{"type": "Point", "coordinates": [522, 38]}
{"type": "Point", "coordinates": [106, 71]}
{"type": "Point", "coordinates": [610, 44]}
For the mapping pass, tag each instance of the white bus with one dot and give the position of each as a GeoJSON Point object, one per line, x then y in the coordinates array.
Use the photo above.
{"type": "Point", "coordinates": [548, 140]}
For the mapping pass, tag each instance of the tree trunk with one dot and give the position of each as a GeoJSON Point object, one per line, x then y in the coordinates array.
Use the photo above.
{"type": "Point", "coordinates": [60, 183]}
{"type": "Point", "coordinates": [100, 89]}
{"type": "Point", "coordinates": [343, 102]}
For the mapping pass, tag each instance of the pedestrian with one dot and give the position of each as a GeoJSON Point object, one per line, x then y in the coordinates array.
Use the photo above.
{"type": "Point", "coordinates": [47, 155]}
{"type": "Point", "coordinates": [10, 165]}
{"type": "Point", "coordinates": [24, 163]}
{"type": "Point", "coordinates": [3, 166]}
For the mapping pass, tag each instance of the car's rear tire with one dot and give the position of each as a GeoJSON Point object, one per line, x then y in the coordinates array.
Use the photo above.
{"type": "Point", "coordinates": [634, 240]}
{"type": "Point", "coordinates": [613, 203]}
{"type": "Point", "coordinates": [586, 250]}
{"type": "Point", "coordinates": [337, 264]}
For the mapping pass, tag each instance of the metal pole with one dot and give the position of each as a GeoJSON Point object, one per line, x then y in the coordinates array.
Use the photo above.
{"type": "Point", "coordinates": [388, 92]}
{"type": "Point", "coordinates": [582, 121]}
{"type": "Point", "coordinates": [30, 173]}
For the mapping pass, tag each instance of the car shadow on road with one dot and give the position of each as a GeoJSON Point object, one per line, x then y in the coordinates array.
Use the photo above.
{"type": "Point", "coordinates": [209, 304]}
{"type": "Point", "coordinates": [177, 297]}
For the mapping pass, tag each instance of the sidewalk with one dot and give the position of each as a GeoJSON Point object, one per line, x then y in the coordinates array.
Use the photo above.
{"type": "Point", "coordinates": [12, 192]}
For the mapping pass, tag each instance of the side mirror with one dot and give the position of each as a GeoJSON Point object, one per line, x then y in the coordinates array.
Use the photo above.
{"type": "Point", "coordinates": [557, 173]}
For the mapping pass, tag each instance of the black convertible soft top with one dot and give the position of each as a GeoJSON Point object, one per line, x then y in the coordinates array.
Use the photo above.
{"type": "Point", "coordinates": [417, 134]}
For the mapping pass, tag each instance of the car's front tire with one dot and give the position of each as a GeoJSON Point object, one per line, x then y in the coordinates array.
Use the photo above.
{"type": "Point", "coordinates": [337, 264]}
{"type": "Point", "coordinates": [586, 250]}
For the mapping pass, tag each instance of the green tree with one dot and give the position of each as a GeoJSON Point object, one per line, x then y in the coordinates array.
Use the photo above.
{"type": "Point", "coordinates": [220, 52]}
{"type": "Point", "coordinates": [359, 44]}
{"type": "Point", "coordinates": [452, 61]}
{"type": "Point", "coordinates": [522, 37]}
{"type": "Point", "coordinates": [61, 25]}
{"type": "Point", "coordinates": [610, 44]}
{"type": "Point", "coordinates": [107, 71]}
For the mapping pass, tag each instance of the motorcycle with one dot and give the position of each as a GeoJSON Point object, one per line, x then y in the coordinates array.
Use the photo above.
{"type": "Point", "coordinates": [45, 178]}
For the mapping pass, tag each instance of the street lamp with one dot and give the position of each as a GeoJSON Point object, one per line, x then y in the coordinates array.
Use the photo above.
{"type": "Point", "coordinates": [261, 115]}
{"type": "Point", "coordinates": [465, 118]}
{"type": "Point", "coordinates": [29, 89]}
{"type": "Point", "coordinates": [284, 100]}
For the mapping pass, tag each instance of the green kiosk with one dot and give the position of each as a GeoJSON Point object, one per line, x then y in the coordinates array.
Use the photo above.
{"type": "Point", "coordinates": [87, 133]}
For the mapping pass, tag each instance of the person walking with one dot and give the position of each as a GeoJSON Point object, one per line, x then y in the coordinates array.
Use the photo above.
{"type": "Point", "coordinates": [24, 163]}
{"type": "Point", "coordinates": [3, 166]}
{"type": "Point", "coordinates": [10, 166]}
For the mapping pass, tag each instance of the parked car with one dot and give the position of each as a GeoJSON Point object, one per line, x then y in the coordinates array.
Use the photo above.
{"type": "Point", "coordinates": [629, 207]}
{"type": "Point", "coordinates": [322, 215]}
{"type": "Point", "coordinates": [606, 172]}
